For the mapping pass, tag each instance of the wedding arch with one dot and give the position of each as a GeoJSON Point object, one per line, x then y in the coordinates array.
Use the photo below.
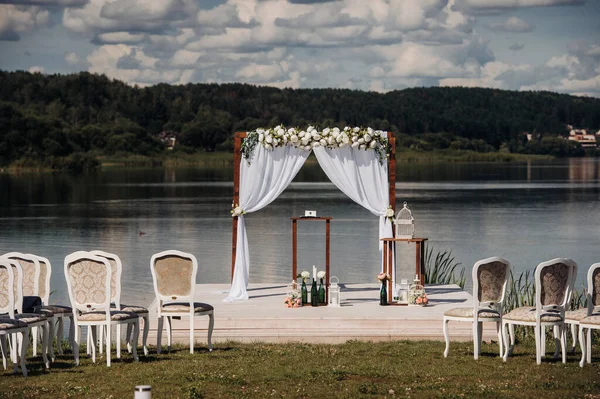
{"type": "Point", "coordinates": [360, 162]}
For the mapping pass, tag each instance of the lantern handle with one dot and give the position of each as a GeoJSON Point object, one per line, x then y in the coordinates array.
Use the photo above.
{"type": "Point", "coordinates": [334, 283]}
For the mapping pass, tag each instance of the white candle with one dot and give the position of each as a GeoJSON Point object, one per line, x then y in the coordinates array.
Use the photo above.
{"type": "Point", "coordinates": [314, 272]}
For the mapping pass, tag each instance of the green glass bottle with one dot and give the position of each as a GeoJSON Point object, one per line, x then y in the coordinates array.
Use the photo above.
{"type": "Point", "coordinates": [321, 292]}
{"type": "Point", "coordinates": [383, 298]}
{"type": "Point", "coordinates": [304, 293]}
{"type": "Point", "coordinates": [314, 294]}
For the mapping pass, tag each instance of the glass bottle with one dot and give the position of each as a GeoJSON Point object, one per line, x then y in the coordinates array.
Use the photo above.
{"type": "Point", "coordinates": [314, 293]}
{"type": "Point", "coordinates": [383, 298]}
{"type": "Point", "coordinates": [304, 292]}
{"type": "Point", "coordinates": [321, 292]}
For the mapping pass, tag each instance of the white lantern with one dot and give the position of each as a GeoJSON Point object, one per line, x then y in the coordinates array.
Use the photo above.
{"type": "Point", "coordinates": [402, 291]}
{"type": "Point", "coordinates": [405, 223]}
{"type": "Point", "coordinates": [334, 292]}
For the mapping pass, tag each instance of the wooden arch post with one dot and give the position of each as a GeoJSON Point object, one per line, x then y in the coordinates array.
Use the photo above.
{"type": "Point", "coordinates": [237, 159]}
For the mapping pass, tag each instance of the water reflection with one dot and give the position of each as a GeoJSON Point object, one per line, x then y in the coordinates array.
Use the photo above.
{"type": "Point", "coordinates": [525, 212]}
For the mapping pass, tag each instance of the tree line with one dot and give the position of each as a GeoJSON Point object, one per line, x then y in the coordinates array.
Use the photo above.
{"type": "Point", "coordinates": [56, 116]}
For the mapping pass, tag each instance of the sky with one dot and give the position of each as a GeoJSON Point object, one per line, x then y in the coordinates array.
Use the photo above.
{"type": "Point", "coordinates": [375, 45]}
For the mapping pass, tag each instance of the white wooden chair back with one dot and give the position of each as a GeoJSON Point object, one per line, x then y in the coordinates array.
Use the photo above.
{"type": "Point", "coordinates": [7, 288]}
{"type": "Point", "coordinates": [490, 279]}
{"type": "Point", "coordinates": [174, 277]}
{"type": "Point", "coordinates": [115, 282]}
{"type": "Point", "coordinates": [30, 269]}
{"type": "Point", "coordinates": [593, 294]}
{"type": "Point", "coordinates": [88, 281]}
{"type": "Point", "coordinates": [554, 280]}
{"type": "Point", "coordinates": [44, 279]}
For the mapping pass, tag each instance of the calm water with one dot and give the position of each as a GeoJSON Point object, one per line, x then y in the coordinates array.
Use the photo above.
{"type": "Point", "coordinates": [526, 213]}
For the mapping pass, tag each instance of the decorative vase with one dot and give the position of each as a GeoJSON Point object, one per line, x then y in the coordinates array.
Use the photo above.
{"type": "Point", "coordinates": [314, 294]}
{"type": "Point", "coordinates": [321, 292]}
{"type": "Point", "coordinates": [304, 293]}
{"type": "Point", "coordinates": [383, 300]}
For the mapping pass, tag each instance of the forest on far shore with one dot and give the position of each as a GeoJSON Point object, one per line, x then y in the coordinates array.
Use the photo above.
{"type": "Point", "coordinates": [48, 119]}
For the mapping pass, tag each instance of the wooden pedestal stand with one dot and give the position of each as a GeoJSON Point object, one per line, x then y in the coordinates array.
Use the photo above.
{"type": "Point", "coordinates": [389, 266]}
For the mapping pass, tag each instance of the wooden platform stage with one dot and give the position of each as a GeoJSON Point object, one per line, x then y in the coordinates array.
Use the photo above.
{"type": "Point", "coordinates": [265, 318]}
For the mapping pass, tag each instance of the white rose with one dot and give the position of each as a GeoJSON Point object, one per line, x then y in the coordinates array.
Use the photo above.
{"type": "Point", "coordinates": [345, 139]}
{"type": "Point", "coordinates": [355, 144]}
{"type": "Point", "coordinates": [377, 133]}
{"type": "Point", "coordinates": [356, 129]}
{"type": "Point", "coordinates": [367, 138]}
{"type": "Point", "coordinates": [361, 141]}
{"type": "Point", "coordinates": [326, 131]}
{"type": "Point", "coordinates": [323, 142]}
{"type": "Point", "coordinates": [304, 141]}
{"type": "Point", "coordinates": [363, 147]}
{"type": "Point", "coordinates": [261, 137]}
{"type": "Point", "coordinates": [268, 146]}
{"type": "Point", "coordinates": [269, 139]}
{"type": "Point", "coordinates": [310, 129]}
{"type": "Point", "coordinates": [346, 128]}
{"type": "Point", "coordinates": [275, 142]}
{"type": "Point", "coordinates": [336, 130]}
{"type": "Point", "coordinates": [321, 274]}
{"type": "Point", "coordinates": [238, 211]}
{"type": "Point", "coordinates": [354, 138]}
{"type": "Point", "coordinates": [373, 144]}
{"type": "Point", "coordinates": [308, 148]}
{"type": "Point", "coordinates": [291, 130]}
{"type": "Point", "coordinates": [342, 145]}
{"type": "Point", "coordinates": [330, 140]}
{"type": "Point", "coordinates": [316, 136]}
{"type": "Point", "coordinates": [305, 274]}
{"type": "Point", "coordinates": [301, 134]}
{"type": "Point", "coordinates": [369, 130]}
{"type": "Point", "coordinates": [316, 144]}
{"type": "Point", "coordinates": [389, 213]}
{"type": "Point", "coordinates": [294, 139]}
{"type": "Point", "coordinates": [260, 130]}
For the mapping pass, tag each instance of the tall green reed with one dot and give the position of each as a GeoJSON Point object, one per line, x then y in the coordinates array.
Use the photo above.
{"type": "Point", "coordinates": [440, 270]}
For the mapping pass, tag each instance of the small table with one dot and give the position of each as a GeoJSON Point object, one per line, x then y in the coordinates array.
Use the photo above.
{"type": "Point", "coordinates": [388, 244]}
{"type": "Point", "coordinates": [327, 220]}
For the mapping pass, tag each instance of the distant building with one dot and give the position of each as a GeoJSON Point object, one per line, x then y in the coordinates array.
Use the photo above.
{"type": "Point", "coordinates": [168, 138]}
{"type": "Point", "coordinates": [582, 137]}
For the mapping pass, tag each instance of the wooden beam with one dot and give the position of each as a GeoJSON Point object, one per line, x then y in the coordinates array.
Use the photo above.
{"type": "Point", "coordinates": [237, 159]}
{"type": "Point", "coordinates": [392, 169]}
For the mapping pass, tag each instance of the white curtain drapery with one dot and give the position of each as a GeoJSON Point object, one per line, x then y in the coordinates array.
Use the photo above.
{"type": "Point", "coordinates": [361, 176]}
{"type": "Point", "coordinates": [262, 180]}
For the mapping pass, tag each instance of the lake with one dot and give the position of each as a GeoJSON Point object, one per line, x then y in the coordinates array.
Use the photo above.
{"type": "Point", "coordinates": [524, 212]}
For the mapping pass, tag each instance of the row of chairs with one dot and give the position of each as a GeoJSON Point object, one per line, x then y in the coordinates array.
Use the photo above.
{"type": "Point", "coordinates": [94, 286]}
{"type": "Point", "coordinates": [554, 281]}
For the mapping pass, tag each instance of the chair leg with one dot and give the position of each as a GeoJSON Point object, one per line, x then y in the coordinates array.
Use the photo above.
{"type": "Point", "coordinates": [563, 342]}
{"type": "Point", "coordinates": [90, 343]}
{"type": "Point", "coordinates": [582, 345]}
{"type": "Point", "coordinates": [574, 337]}
{"type": "Point", "coordinates": [146, 330]}
{"type": "Point", "coordinates": [92, 339]}
{"type": "Point", "coordinates": [512, 337]}
{"type": "Point", "coordinates": [51, 339]}
{"type": "Point", "coordinates": [168, 333]}
{"type": "Point", "coordinates": [589, 345]}
{"type": "Point", "coordinates": [543, 341]}
{"type": "Point", "coordinates": [25, 338]}
{"type": "Point", "coordinates": [211, 325]}
{"type": "Point", "coordinates": [556, 330]}
{"type": "Point", "coordinates": [44, 328]}
{"type": "Point", "coordinates": [101, 338]}
{"type": "Point", "coordinates": [446, 336]}
{"type": "Point", "coordinates": [34, 333]}
{"type": "Point", "coordinates": [76, 341]}
{"type": "Point", "coordinates": [505, 339]}
{"type": "Point", "coordinates": [108, 332]}
{"type": "Point", "coordinates": [71, 332]}
{"type": "Point", "coordinates": [500, 340]}
{"type": "Point", "coordinates": [192, 333]}
{"type": "Point", "coordinates": [136, 335]}
{"type": "Point", "coordinates": [118, 339]}
{"type": "Point", "coordinates": [4, 350]}
{"type": "Point", "coordinates": [476, 341]}
{"type": "Point", "coordinates": [128, 336]}
{"type": "Point", "coordinates": [538, 343]}
{"type": "Point", "coordinates": [59, 334]}
{"type": "Point", "coordinates": [159, 329]}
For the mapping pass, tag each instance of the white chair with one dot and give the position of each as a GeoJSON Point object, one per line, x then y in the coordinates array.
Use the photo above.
{"type": "Point", "coordinates": [10, 327]}
{"type": "Point", "coordinates": [30, 268]}
{"type": "Point", "coordinates": [592, 319]}
{"type": "Point", "coordinates": [88, 281]}
{"type": "Point", "coordinates": [174, 277]}
{"type": "Point", "coordinates": [142, 312]}
{"type": "Point", "coordinates": [554, 282]}
{"type": "Point", "coordinates": [59, 312]}
{"type": "Point", "coordinates": [33, 320]}
{"type": "Point", "coordinates": [490, 277]}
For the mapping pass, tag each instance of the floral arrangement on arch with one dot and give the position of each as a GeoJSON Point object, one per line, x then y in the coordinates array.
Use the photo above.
{"type": "Point", "coordinates": [354, 137]}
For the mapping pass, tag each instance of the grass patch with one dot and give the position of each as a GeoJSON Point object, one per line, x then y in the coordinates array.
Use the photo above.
{"type": "Point", "coordinates": [402, 369]}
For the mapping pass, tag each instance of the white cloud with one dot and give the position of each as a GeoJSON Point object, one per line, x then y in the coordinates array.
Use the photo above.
{"type": "Point", "coordinates": [516, 46]}
{"type": "Point", "coordinates": [17, 20]}
{"type": "Point", "coordinates": [47, 3]}
{"type": "Point", "coordinates": [499, 5]}
{"type": "Point", "coordinates": [260, 73]}
{"type": "Point", "coordinates": [36, 69]}
{"type": "Point", "coordinates": [512, 24]}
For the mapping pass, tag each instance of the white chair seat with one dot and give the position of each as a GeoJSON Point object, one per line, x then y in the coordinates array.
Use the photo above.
{"type": "Point", "coordinates": [31, 318]}
{"type": "Point", "coordinates": [9, 324]}
{"type": "Point", "coordinates": [527, 314]}
{"type": "Point", "coordinates": [134, 309]}
{"type": "Point", "coordinates": [57, 309]}
{"type": "Point", "coordinates": [115, 315]}
{"type": "Point", "coordinates": [185, 307]}
{"type": "Point", "coordinates": [468, 313]}
{"type": "Point", "coordinates": [593, 319]}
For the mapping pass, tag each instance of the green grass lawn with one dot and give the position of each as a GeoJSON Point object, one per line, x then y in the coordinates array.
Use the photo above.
{"type": "Point", "coordinates": [394, 369]}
